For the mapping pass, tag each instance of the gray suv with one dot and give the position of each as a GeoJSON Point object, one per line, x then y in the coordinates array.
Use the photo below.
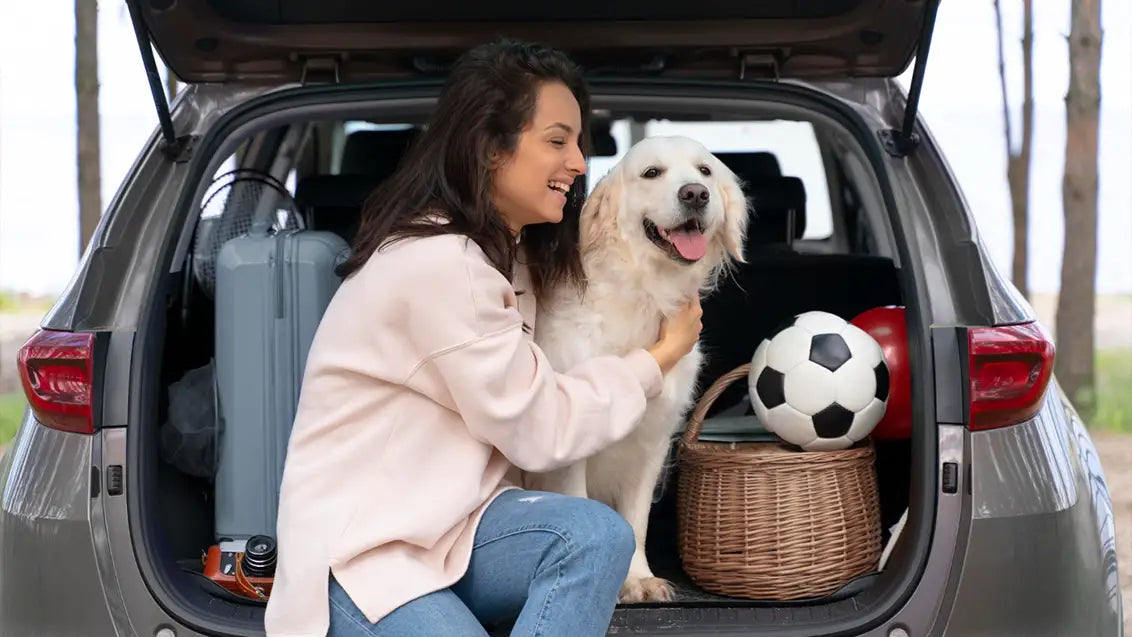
{"type": "Point", "coordinates": [995, 514]}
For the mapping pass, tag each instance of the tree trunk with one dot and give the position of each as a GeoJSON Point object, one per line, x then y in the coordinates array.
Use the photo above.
{"type": "Point", "coordinates": [1018, 170]}
{"type": "Point", "coordinates": [1076, 302]}
{"type": "Point", "coordinates": [86, 101]}
{"type": "Point", "coordinates": [1018, 162]}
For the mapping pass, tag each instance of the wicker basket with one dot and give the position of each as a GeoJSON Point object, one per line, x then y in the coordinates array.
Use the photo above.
{"type": "Point", "coordinates": [761, 520]}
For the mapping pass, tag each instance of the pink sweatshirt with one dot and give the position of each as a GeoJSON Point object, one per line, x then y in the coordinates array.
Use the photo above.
{"type": "Point", "coordinates": [421, 396]}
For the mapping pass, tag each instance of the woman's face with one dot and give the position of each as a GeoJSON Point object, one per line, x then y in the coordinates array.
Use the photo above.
{"type": "Point", "coordinates": [529, 186]}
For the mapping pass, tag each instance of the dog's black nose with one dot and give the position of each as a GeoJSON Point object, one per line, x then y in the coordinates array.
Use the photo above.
{"type": "Point", "coordinates": [694, 195]}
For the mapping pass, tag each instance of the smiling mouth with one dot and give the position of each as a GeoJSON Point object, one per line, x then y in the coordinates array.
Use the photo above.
{"type": "Point", "coordinates": [559, 187]}
{"type": "Point", "coordinates": [685, 242]}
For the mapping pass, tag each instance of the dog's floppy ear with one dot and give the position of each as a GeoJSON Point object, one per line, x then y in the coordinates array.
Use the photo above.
{"type": "Point", "coordinates": [735, 213]}
{"type": "Point", "coordinates": [598, 219]}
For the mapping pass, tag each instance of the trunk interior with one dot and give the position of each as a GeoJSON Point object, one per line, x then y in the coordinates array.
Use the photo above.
{"type": "Point", "coordinates": [815, 178]}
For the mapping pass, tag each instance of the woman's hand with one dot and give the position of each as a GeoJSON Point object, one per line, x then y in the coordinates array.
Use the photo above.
{"type": "Point", "coordinates": [678, 335]}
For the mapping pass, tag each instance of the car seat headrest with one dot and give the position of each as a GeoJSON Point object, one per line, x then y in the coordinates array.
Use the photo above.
{"type": "Point", "coordinates": [334, 202]}
{"type": "Point", "coordinates": [375, 152]}
{"type": "Point", "coordinates": [749, 166]}
{"type": "Point", "coordinates": [779, 210]}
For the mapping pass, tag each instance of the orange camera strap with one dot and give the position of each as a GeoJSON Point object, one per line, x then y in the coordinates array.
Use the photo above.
{"type": "Point", "coordinates": [246, 586]}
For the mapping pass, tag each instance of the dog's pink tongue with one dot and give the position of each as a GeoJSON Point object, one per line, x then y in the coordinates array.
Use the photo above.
{"type": "Point", "coordinates": [690, 244]}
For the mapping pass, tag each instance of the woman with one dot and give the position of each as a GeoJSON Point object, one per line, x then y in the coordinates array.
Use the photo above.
{"type": "Point", "coordinates": [424, 394]}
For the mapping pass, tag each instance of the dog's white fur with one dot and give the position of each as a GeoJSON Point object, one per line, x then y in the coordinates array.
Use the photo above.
{"type": "Point", "coordinates": [630, 285]}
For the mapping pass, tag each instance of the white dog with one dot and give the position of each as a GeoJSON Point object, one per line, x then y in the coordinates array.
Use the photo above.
{"type": "Point", "coordinates": [660, 227]}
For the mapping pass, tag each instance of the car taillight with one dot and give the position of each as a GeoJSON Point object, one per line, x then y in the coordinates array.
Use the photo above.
{"type": "Point", "coordinates": [57, 371]}
{"type": "Point", "coordinates": [1010, 367]}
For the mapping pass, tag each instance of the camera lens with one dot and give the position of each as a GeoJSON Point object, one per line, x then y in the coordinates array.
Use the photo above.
{"type": "Point", "coordinates": [259, 556]}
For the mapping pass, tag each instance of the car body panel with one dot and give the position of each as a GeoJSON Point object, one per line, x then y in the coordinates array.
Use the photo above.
{"type": "Point", "coordinates": [1041, 558]}
{"type": "Point", "coordinates": [1023, 470]}
{"type": "Point", "coordinates": [49, 576]}
{"type": "Point", "coordinates": [105, 293]}
{"type": "Point", "coordinates": [942, 222]}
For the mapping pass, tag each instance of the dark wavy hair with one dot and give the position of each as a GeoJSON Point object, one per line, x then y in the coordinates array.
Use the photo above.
{"type": "Point", "coordinates": [488, 100]}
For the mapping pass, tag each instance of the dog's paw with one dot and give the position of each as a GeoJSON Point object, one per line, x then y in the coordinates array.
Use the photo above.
{"type": "Point", "coordinates": [637, 590]}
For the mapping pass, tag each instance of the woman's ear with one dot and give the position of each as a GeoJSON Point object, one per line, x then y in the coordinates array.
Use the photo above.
{"type": "Point", "coordinates": [496, 156]}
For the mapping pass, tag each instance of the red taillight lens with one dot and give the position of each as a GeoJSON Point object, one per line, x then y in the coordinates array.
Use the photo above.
{"type": "Point", "coordinates": [57, 370]}
{"type": "Point", "coordinates": [1010, 368]}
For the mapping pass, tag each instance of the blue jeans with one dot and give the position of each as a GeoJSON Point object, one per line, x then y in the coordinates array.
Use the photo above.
{"type": "Point", "coordinates": [548, 564]}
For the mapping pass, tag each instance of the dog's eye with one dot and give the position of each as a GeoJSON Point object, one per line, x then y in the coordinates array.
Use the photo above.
{"type": "Point", "coordinates": [651, 173]}
{"type": "Point", "coordinates": [704, 170]}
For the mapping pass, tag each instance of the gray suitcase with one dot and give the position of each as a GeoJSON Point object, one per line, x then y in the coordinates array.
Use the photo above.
{"type": "Point", "coordinates": [271, 292]}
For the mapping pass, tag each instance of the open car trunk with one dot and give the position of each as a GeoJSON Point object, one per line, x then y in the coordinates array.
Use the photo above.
{"type": "Point", "coordinates": [253, 40]}
{"type": "Point", "coordinates": [313, 156]}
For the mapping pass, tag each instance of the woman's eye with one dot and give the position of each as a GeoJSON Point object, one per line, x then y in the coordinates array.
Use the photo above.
{"type": "Point", "coordinates": [704, 170]}
{"type": "Point", "coordinates": [558, 142]}
{"type": "Point", "coordinates": [651, 173]}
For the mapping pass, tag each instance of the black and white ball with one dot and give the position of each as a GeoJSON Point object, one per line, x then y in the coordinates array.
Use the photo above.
{"type": "Point", "coordinates": [819, 382]}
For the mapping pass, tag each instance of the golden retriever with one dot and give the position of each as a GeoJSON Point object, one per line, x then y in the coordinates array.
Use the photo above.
{"type": "Point", "coordinates": [661, 226]}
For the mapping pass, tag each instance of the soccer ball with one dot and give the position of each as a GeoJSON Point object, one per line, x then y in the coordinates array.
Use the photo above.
{"type": "Point", "coordinates": [819, 382]}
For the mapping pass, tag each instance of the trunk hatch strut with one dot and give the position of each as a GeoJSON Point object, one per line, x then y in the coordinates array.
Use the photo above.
{"type": "Point", "coordinates": [899, 143]}
{"type": "Point", "coordinates": [174, 146]}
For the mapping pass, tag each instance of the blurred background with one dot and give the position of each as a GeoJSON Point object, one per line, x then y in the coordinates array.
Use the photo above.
{"type": "Point", "coordinates": [994, 97]}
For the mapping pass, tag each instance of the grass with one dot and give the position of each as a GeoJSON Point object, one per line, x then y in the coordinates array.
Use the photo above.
{"type": "Point", "coordinates": [1114, 391]}
{"type": "Point", "coordinates": [10, 302]}
{"type": "Point", "coordinates": [11, 413]}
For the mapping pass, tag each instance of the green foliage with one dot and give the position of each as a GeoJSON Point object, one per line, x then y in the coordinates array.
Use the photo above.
{"type": "Point", "coordinates": [10, 302]}
{"type": "Point", "coordinates": [11, 414]}
{"type": "Point", "coordinates": [1113, 391]}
